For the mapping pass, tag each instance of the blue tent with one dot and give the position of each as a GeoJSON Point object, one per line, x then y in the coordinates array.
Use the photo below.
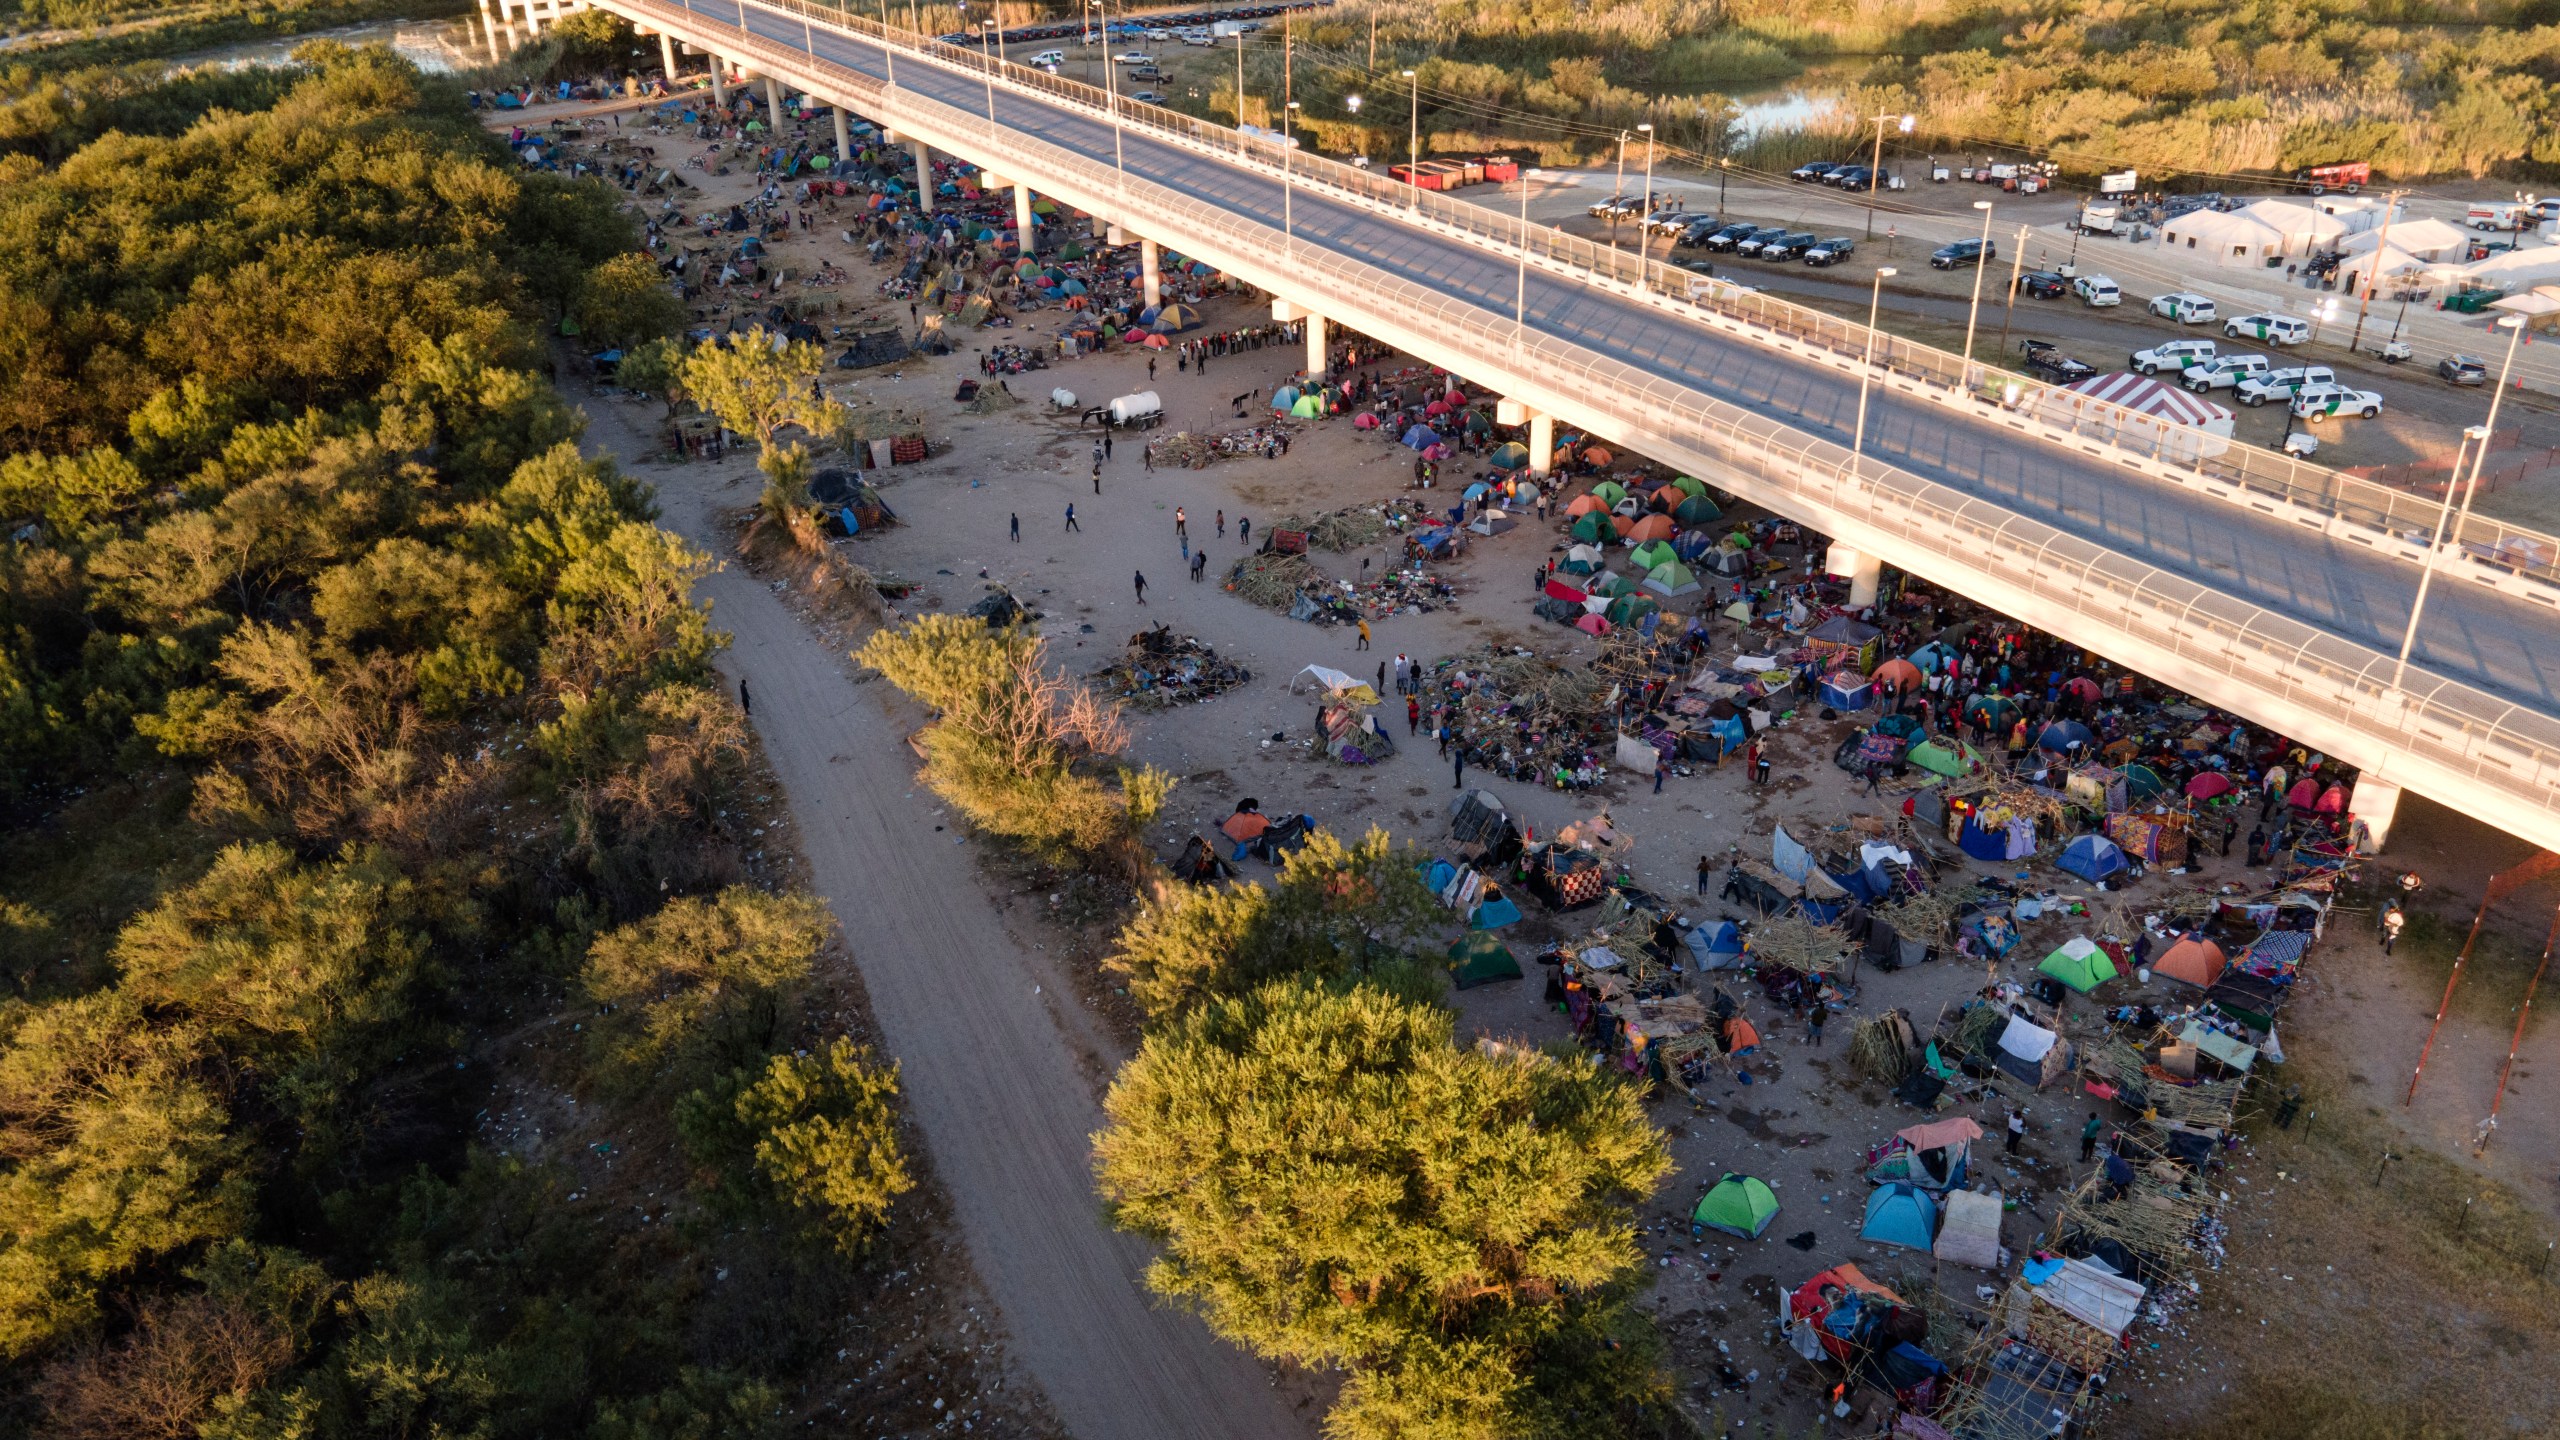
{"type": "Point", "coordinates": [2092, 857]}
{"type": "Point", "coordinates": [1733, 730]}
{"type": "Point", "coordinates": [2061, 735]}
{"type": "Point", "coordinates": [1148, 315]}
{"type": "Point", "coordinates": [1494, 913]}
{"type": "Point", "coordinates": [1846, 691]}
{"type": "Point", "coordinates": [1690, 544]}
{"type": "Point", "coordinates": [1421, 437]}
{"type": "Point", "coordinates": [1717, 946]}
{"type": "Point", "coordinates": [1478, 490]}
{"type": "Point", "coordinates": [1284, 399]}
{"type": "Point", "coordinates": [1901, 1214]}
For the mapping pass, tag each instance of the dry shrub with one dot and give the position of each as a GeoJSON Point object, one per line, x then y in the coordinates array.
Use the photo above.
{"type": "Point", "coordinates": [162, 1380]}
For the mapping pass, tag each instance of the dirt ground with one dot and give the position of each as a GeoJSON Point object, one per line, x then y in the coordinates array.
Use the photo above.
{"type": "Point", "coordinates": [1804, 1120]}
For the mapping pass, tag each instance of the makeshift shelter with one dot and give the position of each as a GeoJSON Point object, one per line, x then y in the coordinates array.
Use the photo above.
{"type": "Point", "coordinates": [2031, 1053]}
{"type": "Point", "coordinates": [2080, 964]}
{"type": "Point", "coordinates": [1969, 1232]}
{"type": "Point", "coordinates": [2194, 961]}
{"type": "Point", "coordinates": [1337, 685]}
{"type": "Point", "coordinates": [1847, 690]}
{"type": "Point", "coordinates": [1933, 1155]}
{"type": "Point", "coordinates": [1901, 1215]}
{"type": "Point", "coordinates": [2093, 858]}
{"type": "Point", "coordinates": [1479, 959]}
{"type": "Point", "coordinates": [2141, 414]}
{"type": "Point", "coordinates": [1740, 1205]}
{"type": "Point", "coordinates": [1946, 755]}
{"type": "Point", "coordinates": [1844, 642]}
{"type": "Point", "coordinates": [1840, 1313]}
{"type": "Point", "coordinates": [1717, 946]}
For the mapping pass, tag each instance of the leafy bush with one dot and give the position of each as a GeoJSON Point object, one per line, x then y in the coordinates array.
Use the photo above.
{"type": "Point", "coordinates": [811, 1135]}
{"type": "Point", "coordinates": [698, 987]}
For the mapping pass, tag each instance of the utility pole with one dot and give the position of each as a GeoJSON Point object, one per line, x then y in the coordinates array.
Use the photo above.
{"type": "Point", "coordinates": [1373, 39]}
{"type": "Point", "coordinates": [2017, 264]}
{"type": "Point", "coordinates": [2364, 292]}
{"type": "Point", "coordinates": [1875, 164]}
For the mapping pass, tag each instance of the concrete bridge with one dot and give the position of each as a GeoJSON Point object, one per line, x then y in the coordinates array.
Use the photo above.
{"type": "Point", "coordinates": [2276, 590]}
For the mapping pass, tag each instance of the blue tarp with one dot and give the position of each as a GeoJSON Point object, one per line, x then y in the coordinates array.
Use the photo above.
{"type": "Point", "coordinates": [1715, 947]}
{"type": "Point", "coordinates": [1901, 1214]}
{"type": "Point", "coordinates": [1846, 692]}
{"type": "Point", "coordinates": [1788, 856]}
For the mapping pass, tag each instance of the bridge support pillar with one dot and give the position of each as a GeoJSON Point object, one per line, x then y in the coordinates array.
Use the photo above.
{"type": "Point", "coordinates": [1863, 572]}
{"type": "Point", "coordinates": [2377, 804]}
{"type": "Point", "coordinates": [1151, 271]}
{"type": "Point", "coordinates": [1022, 218]}
{"type": "Point", "coordinates": [773, 106]}
{"type": "Point", "coordinates": [719, 80]}
{"type": "Point", "coordinates": [667, 53]}
{"type": "Point", "coordinates": [1542, 443]}
{"type": "Point", "coordinates": [924, 174]}
{"type": "Point", "coordinates": [844, 135]}
{"type": "Point", "coordinates": [1317, 359]}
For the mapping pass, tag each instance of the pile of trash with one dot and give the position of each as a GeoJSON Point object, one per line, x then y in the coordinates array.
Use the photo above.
{"type": "Point", "coordinates": [1190, 450]}
{"type": "Point", "coordinates": [1341, 530]}
{"type": "Point", "coordinates": [1011, 360]}
{"type": "Point", "coordinates": [1164, 669]}
{"type": "Point", "coordinates": [1523, 717]}
{"type": "Point", "coordinates": [1275, 581]}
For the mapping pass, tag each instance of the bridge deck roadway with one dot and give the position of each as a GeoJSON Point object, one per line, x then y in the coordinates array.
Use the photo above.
{"type": "Point", "coordinates": [2473, 635]}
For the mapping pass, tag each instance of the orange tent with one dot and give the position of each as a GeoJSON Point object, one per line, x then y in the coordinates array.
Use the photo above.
{"type": "Point", "coordinates": [1597, 455]}
{"type": "Point", "coordinates": [1584, 505]}
{"type": "Point", "coordinates": [2197, 962]}
{"type": "Point", "coordinates": [1898, 674]}
{"type": "Point", "coordinates": [1739, 1035]}
{"type": "Point", "coordinates": [1651, 527]}
{"type": "Point", "coordinates": [1244, 825]}
{"type": "Point", "coordinates": [1624, 523]}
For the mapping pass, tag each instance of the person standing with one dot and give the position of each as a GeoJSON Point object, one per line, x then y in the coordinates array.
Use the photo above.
{"type": "Point", "coordinates": [1813, 1023]}
{"type": "Point", "coordinates": [1458, 776]}
{"type": "Point", "coordinates": [2017, 1129]}
{"type": "Point", "coordinates": [1015, 522]}
{"type": "Point", "coordinates": [1659, 767]}
{"type": "Point", "coordinates": [1382, 678]}
{"type": "Point", "coordinates": [1364, 636]}
{"type": "Point", "coordinates": [1142, 587]}
{"type": "Point", "coordinates": [1071, 518]}
{"type": "Point", "coordinates": [1097, 477]}
{"type": "Point", "coordinates": [747, 706]}
{"type": "Point", "coordinates": [1759, 764]}
{"type": "Point", "coordinates": [1181, 526]}
{"type": "Point", "coordinates": [2089, 1137]}
{"type": "Point", "coordinates": [1151, 369]}
{"type": "Point", "coordinates": [1706, 871]}
{"type": "Point", "coordinates": [1222, 522]}
{"type": "Point", "coordinates": [1106, 444]}
{"type": "Point", "coordinates": [1244, 531]}
{"type": "Point", "coordinates": [1413, 719]}
{"type": "Point", "coordinates": [2392, 919]}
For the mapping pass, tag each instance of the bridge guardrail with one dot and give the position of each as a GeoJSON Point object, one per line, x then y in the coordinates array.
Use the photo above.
{"type": "Point", "coordinates": [2362, 504]}
{"type": "Point", "coordinates": [2442, 722]}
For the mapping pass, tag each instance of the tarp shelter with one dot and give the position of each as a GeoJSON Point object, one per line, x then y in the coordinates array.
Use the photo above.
{"type": "Point", "coordinates": [1480, 959]}
{"type": "Point", "coordinates": [2141, 414]}
{"type": "Point", "coordinates": [2032, 1053]}
{"type": "Point", "coordinates": [1338, 685]}
{"type": "Point", "coordinates": [1847, 690]}
{"type": "Point", "coordinates": [1946, 755]}
{"type": "Point", "coordinates": [2092, 857]}
{"type": "Point", "coordinates": [1933, 1155]}
{"type": "Point", "coordinates": [1837, 1313]}
{"type": "Point", "coordinates": [1740, 1205]}
{"type": "Point", "coordinates": [1717, 946]}
{"type": "Point", "coordinates": [1845, 641]}
{"type": "Point", "coordinates": [2080, 964]}
{"type": "Point", "coordinates": [2103, 1302]}
{"type": "Point", "coordinates": [2234, 1055]}
{"type": "Point", "coordinates": [1970, 1232]}
{"type": "Point", "coordinates": [2194, 961]}
{"type": "Point", "coordinates": [1901, 1215]}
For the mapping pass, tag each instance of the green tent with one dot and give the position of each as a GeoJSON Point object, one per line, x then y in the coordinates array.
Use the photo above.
{"type": "Point", "coordinates": [1945, 755]}
{"type": "Point", "coordinates": [1691, 485]}
{"type": "Point", "coordinates": [1309, 407]}
{"type": "Point", "coordinates": [2142, 783]}
{"type": "Point", "coordinates": [1608, 582]}
{"type": "Point", "coordinates": [1670, 578]}
{"type": "Point", "coordinates": [1737, 1205]}
{"type": "Point", "coordinates": [1652, 553]}
{"type": "Point", "coordinates": [1511, 456]}
{"type": "Point", "coordinates": [1610, 492]}
{"type": "Point", "coordinates": [1479, 959]}
{"type": "Point", "coordinates": [2079, 964]}
{"type": "Point", "coordinates": [1697, 510]}
{"type": "Point", "coordinates": [1594, 529]}
{"type": "Point", "coordinates": [1628, 609]}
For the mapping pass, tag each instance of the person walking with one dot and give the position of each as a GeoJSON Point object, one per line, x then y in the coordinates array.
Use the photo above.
{"type": "Point", "coordinates": [1813, 1023]}
{"type": "Point", "coordinates": [1458, 776]}
{"type": "Point", "coordinates": [1071, 518]}
{"type": "Point", "coordinates": [2392, 919]}
{"type": "Point", "coordinates": [747, 706]}
{"type": "Point", "coordinates": [1097, 477]}
{"type": "Point", "coordinates": [1412, 716]}
{"type": "Point", "coordinates": [1660, 768]}
{"type": "Point", "coordinates": [1199, 565]}
{"type": "Point", "coordinates": [1181, 526]}
{"type": "Point", "coordinates": [2089, 1137]}
{"type": "Point", "coordinates": [1015, 522]}
{"type": "Point", "coordinates": [1222, 522]}
{"type": "Point", "coordinates": [1364, 636]}
{"type": "Point", "coordinates": [1382, 677]}
{"type": "Point", "coordinates": [2017, 1129]}
{"type": "Point", "coordinates": [1142, 587]}
{"type": "Point", "coordinates": [1706, 871]}
{"type": "Point", "coordinates": [1151, 369]}
{"type": "Point", "coordinates": [1106, 444]}
{"type": "Point", "coordinates": [1244, 531]}
{"type": "Point", "coordinates": [1147, 458]}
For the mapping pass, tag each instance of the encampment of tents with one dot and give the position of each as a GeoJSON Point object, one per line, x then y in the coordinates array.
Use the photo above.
{"type": "Point", "coordinates": [2194, 960]}
{"type": "Point", "coordinates": [1737, 1205]}
{"type": "Point", "coordinates": [2080, 964]}
{"type": "Point", "coordinates": [1901, 1214]}
{"type": "Point", "coordinates": [2092, 857]}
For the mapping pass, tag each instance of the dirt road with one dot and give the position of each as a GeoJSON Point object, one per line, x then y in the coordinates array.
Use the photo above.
{"type": "Point", "coordinates": [998, 1061]}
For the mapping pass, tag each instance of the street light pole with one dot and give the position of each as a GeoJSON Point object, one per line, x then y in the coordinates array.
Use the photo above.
{"type": "Point", "coordinates": [1875, 165]}
{"type": "Point", "coordinates": [1620, 193]}
{"type": "Point", "coordinates": [1413, 139]}
{"type": "Point", "coordinates": [2017, 265]}
{"type": "Point", "coordinates": [1974, 310]}
{"type": "Point", "coordinates": [1111, 88]}
{"type": "Point", "coordinates": [1520, 301]}
{"type": "Point", "coordinates": [1644, 227]}
{"type": "Point", "coordinates": [2448, 524]}
{"type": "Point", "coordinates": [1288, 191]}
{"type": "Point", "coordinates": [1867, 371]}
{"type": "Point", "coordinates": [987, 72]}
{"type": "Point", "coordinates": [888, 51]}
{"type": "Point", "coordinates": [1724, 167]}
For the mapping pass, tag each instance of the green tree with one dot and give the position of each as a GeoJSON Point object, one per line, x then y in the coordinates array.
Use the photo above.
{"type": "Point", "coordinates": [700, 986]}
{"type": "Point", "coordinates": [1335, 1182]}
{"type": "Point", "coordinates": [816, 1135]}
{"type": "Point", "coordinates": [655, 368]}
{"type": "Point", "coordinates": [1336, 910]}
{"type": "Point", "coordinates": [625, 301]}
{"type": "Point", "coordinates": [759, 385]}
{"type": "Point", "coordinates": [701, 1405]}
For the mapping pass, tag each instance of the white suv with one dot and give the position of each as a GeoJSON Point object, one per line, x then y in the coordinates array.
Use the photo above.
{"type": "Point", "coordinates": [2176, 355]}
{"type": "Point", "coordinates": [2184, 306]}
{"type": "Point", "coordinates": [2283, 384]}
{"type": "Point", "coordinates": [2222, 372]}
{"type": "Point", "coordinates": [2315, 403]}
{"type": "Point", "coordinates": [2274, 329]}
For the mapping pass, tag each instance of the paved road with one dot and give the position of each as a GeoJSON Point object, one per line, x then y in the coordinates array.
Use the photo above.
{"type": "Point", "coordinates": [999, 1061]}
{"type": "Point", "coordinates": [2475, 636]}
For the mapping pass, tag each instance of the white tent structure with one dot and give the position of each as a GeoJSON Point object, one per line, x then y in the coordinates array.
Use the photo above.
{"type": "Point", "coordinates": [2141, 413]}
{"type": "Point", "coordinates": [2388, 265]}
{"type": "Point", "coordinates": [2224, 237]}
{"type": "Point", "coordinates": [2426, 239]}
{"type": "Point", "coordinates": [2305, 230]}
{"type": "Point", "coordinates": [2516, 269]}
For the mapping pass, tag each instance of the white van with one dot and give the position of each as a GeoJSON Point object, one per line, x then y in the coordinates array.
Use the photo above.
{"type": "Point", "coordinates": [2097, 291]}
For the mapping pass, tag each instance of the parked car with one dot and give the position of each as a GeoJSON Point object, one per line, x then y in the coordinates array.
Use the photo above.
{"type": "Point", "coordinates": [1731, 236]}
{"type": "Point", "coordinates": [1696, 235]}
{"type": "Point", "coordinates": [1144, 72]}
{"type": "Point", "coordinates": [2283, 384]}
{"type": "Point", "coordinates": [1198, 37]}
{"type": "Point", "coordinates": [2176, 355]}
{"type": "Point", "coordinates": [1050, 57]}
{"type": "Point", "coordinates": [1156, 97]}
{"type": "Point", "coordinates": [2318, 402]}
{"type": "Point", "coordinates": [1672, 222]}
{"type": "Point", "coordinates": [1852, 177]}
{"type": "Point", "coordinates": [1816, 169]}
{"type": "Point", "coordinates": [1133, 57]}
{"type": "Point", "coordinates": [2097, 291]}
{"type": "Point", "coordinates": [2464, 369]}
{"type": "Point", "coordinates": [1158, 36]}
{"type": "Point", "coordinates": [2223, 372]}
{"type": "Point", "coordinates": [2043, 285]}
{"type": "Point", "coordinates": [1603, 209]}
{"type": "Point", "coordinates": [1831, 251]}
{"type": "Point", "coordinates": [1759, 240]}
{"type": "Point", "coordinates": [1963, 253]}
{"type": "Point", "coordinates": [2184, 306]}
{"type": "Point", "coordinates": [2272, 328]}
{"type": "Point", "coordinates": [1790, 245]}
{"type": "Point", "coordinates": [2046, 359]}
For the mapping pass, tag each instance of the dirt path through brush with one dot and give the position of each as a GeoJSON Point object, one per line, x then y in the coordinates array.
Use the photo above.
{"type": "Point", "coordinates": [998, 1079]}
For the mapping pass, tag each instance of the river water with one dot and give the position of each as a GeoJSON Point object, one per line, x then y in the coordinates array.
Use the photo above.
{"type": "Point", "coordinates": [436, 46]}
